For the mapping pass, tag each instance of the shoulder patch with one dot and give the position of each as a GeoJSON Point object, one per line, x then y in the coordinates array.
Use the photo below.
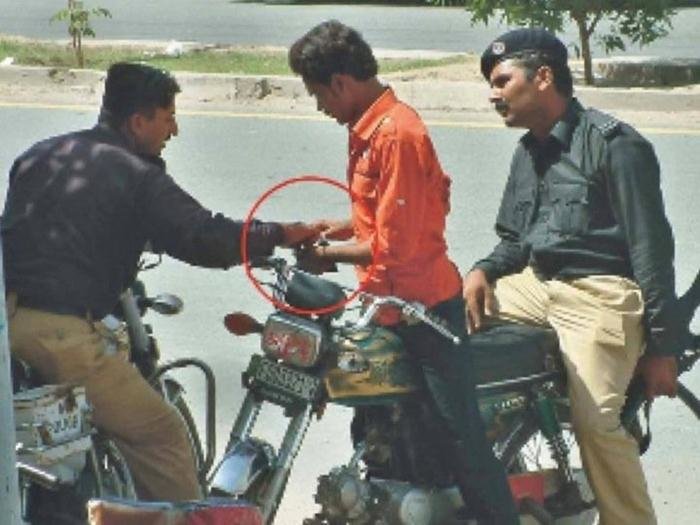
{"type": "Point", "coordinates": [606, 124]}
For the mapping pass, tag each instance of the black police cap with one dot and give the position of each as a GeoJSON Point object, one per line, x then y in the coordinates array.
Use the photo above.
{"type": "Point", "coordinates": [519, 41]}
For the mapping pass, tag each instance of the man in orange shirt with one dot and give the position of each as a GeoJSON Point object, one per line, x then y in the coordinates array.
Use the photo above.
{"type": "Point", "coordinates": [400, 199]}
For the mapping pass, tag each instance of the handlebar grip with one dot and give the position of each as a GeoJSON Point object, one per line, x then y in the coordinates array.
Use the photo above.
{"type": "Point", "coordinates": [437, 324]}
{"type": "Point", "coordinates": [260, 262]}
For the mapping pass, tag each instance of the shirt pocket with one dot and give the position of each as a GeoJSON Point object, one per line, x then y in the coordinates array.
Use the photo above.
{"type": "Point", "coordinates": [610, 329]}
{"type": "Point", "coordinates": [571, 209]}
{"type": "Point", "coordinates": [523, 209]}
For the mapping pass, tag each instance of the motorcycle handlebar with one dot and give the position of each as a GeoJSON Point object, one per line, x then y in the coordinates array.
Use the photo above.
{"type": "Point", "coordinates": [268, 263]}
{"type": "Point", "coordinates": [412, 310]}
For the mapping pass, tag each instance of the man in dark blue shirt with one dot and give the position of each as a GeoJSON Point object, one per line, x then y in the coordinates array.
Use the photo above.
{"type": "Point", "coordinates": [80, 209]}
{"type": "Point", "coordinates": [585, 248]}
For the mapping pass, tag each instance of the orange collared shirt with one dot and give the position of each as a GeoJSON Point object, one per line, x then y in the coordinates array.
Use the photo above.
{"type": "Point", "coordinates": [400, 199]}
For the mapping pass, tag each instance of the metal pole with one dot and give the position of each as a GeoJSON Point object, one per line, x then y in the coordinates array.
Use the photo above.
{"type": "Point", "coordinates": [9, 486]}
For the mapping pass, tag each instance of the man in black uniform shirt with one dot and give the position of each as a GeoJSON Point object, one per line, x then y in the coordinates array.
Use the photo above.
{"type": "Point", "coordinates": [586, 249]}
{"type": "Point", "coordinates": [80, 209]}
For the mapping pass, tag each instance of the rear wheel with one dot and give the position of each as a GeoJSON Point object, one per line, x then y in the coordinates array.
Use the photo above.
{"type": "Point", "coordinates": [109, 474]}
{"type": "Point", "coordinates": [105, 474]}
{"type": "Point", "coordinates": [526, 449]}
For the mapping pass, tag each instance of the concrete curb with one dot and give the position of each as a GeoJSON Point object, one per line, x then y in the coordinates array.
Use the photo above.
{"type": "Point", "coordinates": [647, 71]}
{"type": "Point", "coordinates": [66, 86]}
{"type": "Point", "coordinates": [221, 92]}
{"type": "Point", "coordinates": [453, 102]}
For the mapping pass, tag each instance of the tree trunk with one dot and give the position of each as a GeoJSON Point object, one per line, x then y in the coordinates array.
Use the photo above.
{"type": "Point", "coordinates": [584, 37]}
{"type": "Point", "coordinates": [79, 52]}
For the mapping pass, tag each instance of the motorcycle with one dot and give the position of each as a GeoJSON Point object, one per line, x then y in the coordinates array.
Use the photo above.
{"type": "Point", "coordinates": [146, 356]}
{"type": "Point", "coordinates": [314, 354]}
{"type": "Point", "coordinates": [63, 460]}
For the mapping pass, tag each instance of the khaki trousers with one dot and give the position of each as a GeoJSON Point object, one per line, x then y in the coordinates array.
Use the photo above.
{"type": "Point", "coordinates": [598, 320]}
{"type": "Point", "coordinates": [148, 431]}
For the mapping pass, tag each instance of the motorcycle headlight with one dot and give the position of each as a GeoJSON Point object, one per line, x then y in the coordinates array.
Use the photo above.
{"type": "Point", "coordinates": [294, 340]}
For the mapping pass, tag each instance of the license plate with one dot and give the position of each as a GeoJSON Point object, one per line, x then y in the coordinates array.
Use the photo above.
{"type": "Point", "coordinates": [50, 415]}
{"type": "Point", "coordinates": [280, 384]}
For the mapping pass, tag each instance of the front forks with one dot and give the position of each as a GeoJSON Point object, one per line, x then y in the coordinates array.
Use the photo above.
{"type": "Point", "coordinates": [291, 444]}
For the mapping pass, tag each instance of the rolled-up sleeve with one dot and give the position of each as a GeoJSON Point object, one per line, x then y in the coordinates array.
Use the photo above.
{"type": "Point", "coordinates": [402, 195]}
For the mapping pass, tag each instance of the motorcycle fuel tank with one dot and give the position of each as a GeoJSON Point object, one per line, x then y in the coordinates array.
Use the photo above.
{"type": "Point", "coordinates": [371, 366]}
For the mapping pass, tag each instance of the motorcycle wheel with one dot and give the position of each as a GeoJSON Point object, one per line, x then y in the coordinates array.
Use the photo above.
{"type": "Point", "coordinates": [256, 494]}
{"type": "Point", "coordinates": [526, 450]}
{"type": "Point", "coordinates": [105, 475]}
{"type": "Point", "coordinates": [110, 475]}
{"type": "Point", "coordinates": [174, 394]}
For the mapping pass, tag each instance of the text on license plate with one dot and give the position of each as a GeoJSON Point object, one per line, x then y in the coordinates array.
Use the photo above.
{"type": "Point", "coordinates": [279, 377]}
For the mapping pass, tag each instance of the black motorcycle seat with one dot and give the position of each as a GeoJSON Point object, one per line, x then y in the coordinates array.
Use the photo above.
{"type": "Point", "coordinates": [508, 351]}
{"type": "Point", "coordinates": [311, 292]}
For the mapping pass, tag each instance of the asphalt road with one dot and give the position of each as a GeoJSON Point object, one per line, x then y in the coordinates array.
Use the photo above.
{"type": "Point", "coordinates": [228, 162]}
{"type": "Point", "coordinates": [231, 22]}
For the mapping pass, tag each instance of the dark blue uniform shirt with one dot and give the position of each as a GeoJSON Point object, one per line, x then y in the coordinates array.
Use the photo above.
{"type": "Point", "coordinates": [587, 201]}
{"type": "Point", "coordinates": [80, 209]}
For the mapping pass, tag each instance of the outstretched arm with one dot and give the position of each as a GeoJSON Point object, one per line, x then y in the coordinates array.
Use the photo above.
{"type": "Point", "coordinates": [335, 230]}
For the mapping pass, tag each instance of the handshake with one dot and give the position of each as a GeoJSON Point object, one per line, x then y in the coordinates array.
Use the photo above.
{"type": "Point", "coordinates": [311, 246]}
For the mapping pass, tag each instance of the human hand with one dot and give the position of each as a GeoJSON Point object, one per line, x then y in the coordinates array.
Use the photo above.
{"type": "Point", "coordinates": [296, 233]}
{"type": "Point", "coordinates": [660, 374]}
{"type": "Point", "coordinates": [478, 294]}
{"type": "Point", "coordinates": [335, 230]}
{"type": "Point", "coordinates": [311, 258]}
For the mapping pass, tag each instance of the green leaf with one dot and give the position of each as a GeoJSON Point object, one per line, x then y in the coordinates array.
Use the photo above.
{"type": "Point", "coordinates": [77, 17]}
{"type": "Point", "coordinates": [639, 21]}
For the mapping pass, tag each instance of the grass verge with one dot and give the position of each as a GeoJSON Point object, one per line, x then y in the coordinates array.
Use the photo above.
{"type": "Point", "coordinates": [251, 61]}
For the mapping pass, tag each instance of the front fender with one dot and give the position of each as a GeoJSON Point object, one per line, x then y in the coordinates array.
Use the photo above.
{"type": "Point", "coordinates": [243, 464]}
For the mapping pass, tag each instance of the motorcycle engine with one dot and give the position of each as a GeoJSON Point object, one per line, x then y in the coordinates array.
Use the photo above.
{"type": "Point", "coordinates": [397, 446]}
{"type": "Point", "coordinates": [348, 498]}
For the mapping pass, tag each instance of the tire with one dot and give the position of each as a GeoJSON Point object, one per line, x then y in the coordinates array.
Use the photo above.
{"type": "Point", "coordinates": [58, 507]}
{"type": "Point", "coordinates": [113, 472]}
{"type": "Point", "coordinates": [256, 493]}
{"type": "Point", "coordinates": [105, 475]}
{"type": "Point", "coordinates": [526, 450]}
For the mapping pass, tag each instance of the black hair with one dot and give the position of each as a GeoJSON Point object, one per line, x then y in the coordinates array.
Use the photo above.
{"type": "Point", "coordinates": [332, 48]}
{"type": "Point", "coordinates": [136, 88]}
{"type": "Point", "coordinates": [531, 61]}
